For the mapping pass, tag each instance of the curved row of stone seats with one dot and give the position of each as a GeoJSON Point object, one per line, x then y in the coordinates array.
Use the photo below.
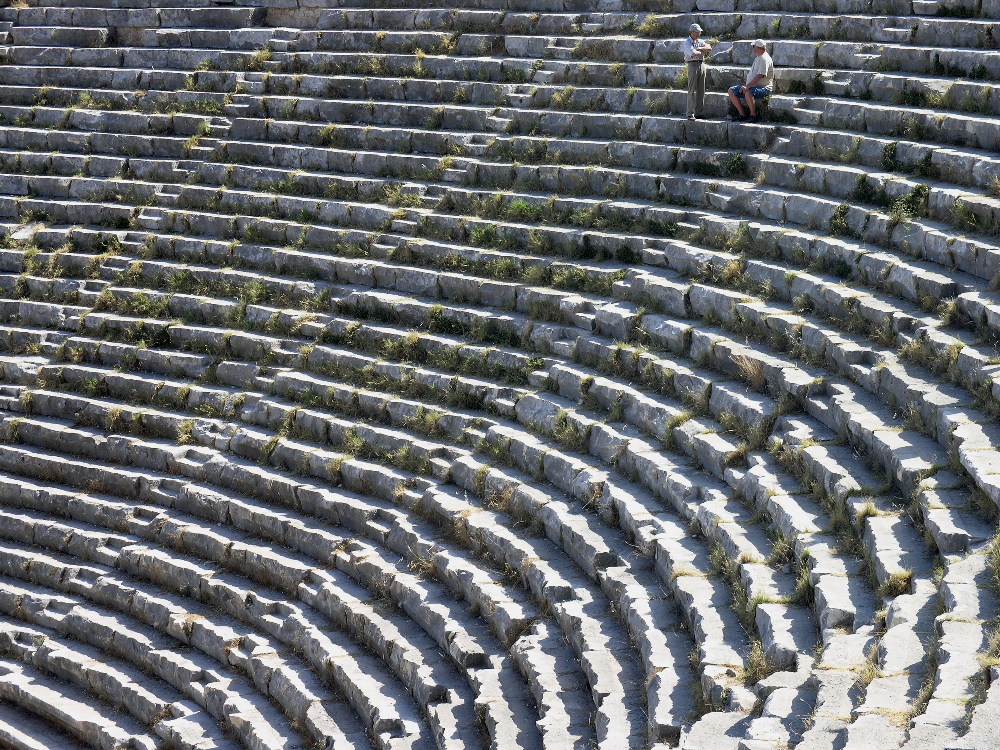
{"type": "Point", "coordinates": [299, 692]}
{"type": "Point", "coordinates": [786, 274]}
{"type": "Point", "coordinates": [970, 304]}
{"type": "Point", "coordinates": [125, 18]}
{"type": "Point", "coordinates": [161, 707]}
{"type": "Point", "coordinates": [691, 6]}
{"type": "Point", "coordinates": [867, 85]}
{"type": "Point", "coordinates": [842, 74]}
{"type": "Point", "coordinates": [654, 628]}
{"type": "Point", "coordinates": [936, 412]}
{"type": "Point", "coordinates": [794, 53]}
{"type": "Point", "coordinates": [427, 693]}
{"type": "Point", "coordinates": [68, 708]}
{"type": "Point", "coordinates": [946, 204]}
{"type": "Point", "coordinates": [844, 181]}
{"type": "Point", "coordinates": [970, 307]}
{"type": "Point", "coordinates": [177, 60]}
{"type": "Point", "coordinates": [89, 607]}
{"type": "Point", "coordinates": [851, 26]}
{"type": "Point", "coordinates": [640, 99]}
{"type": "Point", "coordinates": [177, 571]}
{"type": "Point", "coordinates": [464, 20]}
{"type": "Point", "coordinates": [647, 97]}
{"type": "Point", "coordinates": [136, 4]}
{"type": "Point", "coordinates": [507, 616]}
{"type": "Point", "coordinates": [22, 729]}
{"type": "Point", "coordinates": [957, 165]}
{"type": "Point", "coordinates": [410, 654]}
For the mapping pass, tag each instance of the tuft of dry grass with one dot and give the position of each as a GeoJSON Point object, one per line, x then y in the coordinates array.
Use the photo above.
{"type": "Point", "coordinates": [870, 670]}
{"type": "Point", "coordinates": [898, 583]}
{"type": "Point", "coordinates": [752, 371]}
{"type": "Point", "coordinates": [758, 665]}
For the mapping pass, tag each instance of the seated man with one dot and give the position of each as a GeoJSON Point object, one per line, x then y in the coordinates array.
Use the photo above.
{"type": "Point", "coordinates": [758, 85]}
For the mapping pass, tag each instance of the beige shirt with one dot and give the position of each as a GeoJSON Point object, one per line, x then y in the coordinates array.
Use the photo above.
{"type": "Point", "coordinates": [762, 66]}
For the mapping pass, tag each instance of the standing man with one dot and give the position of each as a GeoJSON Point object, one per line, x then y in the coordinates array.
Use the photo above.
{"type": "Point", "coordinates": [694, 55]}
{"type": "Point", "coordinates": [758, 85]}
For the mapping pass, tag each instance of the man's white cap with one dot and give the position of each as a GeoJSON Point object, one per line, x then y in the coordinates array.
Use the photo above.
{"type": "Point", "coordinates": [694, 27]}
{"type": "Point", "coordinates": [759, 43]}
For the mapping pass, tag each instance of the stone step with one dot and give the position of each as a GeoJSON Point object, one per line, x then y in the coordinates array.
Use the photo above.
{"type": "Point", "coordinates": [561, 696]}
{"type": "Point", "coordinates": [128, 17]}
{"type": "Point", "coordinates": [716, 729]}
{"type": "Point", "coordinates": [58, 36]}
{"type": "Point", "coordinates": [69, 708]}
{"type": "Point", "coordinates": [117, 684]}
{"type": "Point", "coordinates": [979, 736]}
{"type": "Point", "coordinates": [134, 641]}
{"type": "Point", "coordinates": [22, 729]}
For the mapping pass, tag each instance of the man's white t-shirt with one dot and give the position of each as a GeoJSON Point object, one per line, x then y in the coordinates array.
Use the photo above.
{"type": "Point", "coordinates": [762, 66]}
{"type": "Point", "coordinates": [689, 45]}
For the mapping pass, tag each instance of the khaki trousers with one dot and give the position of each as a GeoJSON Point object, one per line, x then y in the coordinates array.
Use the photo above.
{"type": "Point", "coordinates": [696, 87]}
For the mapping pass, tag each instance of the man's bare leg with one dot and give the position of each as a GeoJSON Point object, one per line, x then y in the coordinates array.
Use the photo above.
{"type": "Point", "coordinates": [736, 103]}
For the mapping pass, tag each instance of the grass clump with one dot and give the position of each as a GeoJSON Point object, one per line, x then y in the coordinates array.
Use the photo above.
{"type": "Point", "coordinates": [652, 26]}
{"type": "Point", "coordinates": [896, 584]}
{"type": "Point", "coordinates": [839, 225]}
{"type": "Point", "coordinates": [758, 665]}
{"type": "Point", "coordinates": [570, 435]}
{"type": "Point", "coordinates": [259, 59]}
{"type": "Point", "coordinates": [185, 432]}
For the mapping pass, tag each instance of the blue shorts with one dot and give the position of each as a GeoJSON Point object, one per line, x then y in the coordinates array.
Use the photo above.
{"type": "Point", "coordinates": [759, 92]}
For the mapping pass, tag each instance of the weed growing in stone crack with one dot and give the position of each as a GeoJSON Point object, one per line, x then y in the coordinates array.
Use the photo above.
{"type": "Point", "coordinates": [758, 666]}
{"type": "Point", "coordinates": [258, 59]}
{"type": "Point", "coordinates": [869, 670]}
{"type": "Point", "coordinates": [897, 583]}
{"type": "Point", "coordinates": [185, 432]}
{"type": "Point", "coordinates": [569, 435]}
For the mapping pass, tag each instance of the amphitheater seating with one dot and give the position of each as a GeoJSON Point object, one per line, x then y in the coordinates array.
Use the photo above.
{"type": "Point", "coordinates": [416, 375]}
